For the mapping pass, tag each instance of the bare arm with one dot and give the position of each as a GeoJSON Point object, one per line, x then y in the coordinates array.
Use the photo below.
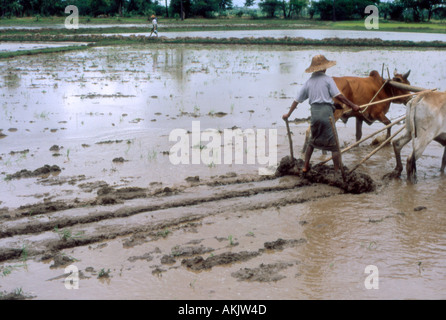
{"type": "Point", "coordinates": [292, 108]}
{"type": "Point", "coordinates": [347, 102]}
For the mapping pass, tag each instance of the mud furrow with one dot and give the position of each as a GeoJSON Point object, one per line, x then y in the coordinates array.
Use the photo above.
{"type": "Point", "coordinates": [49, 247]}
{"type": "Point", "coordinates": [151, 223]}
{"type": "Point", "coordinates": [36, 225]}
{"type": "Point", "coordinates": [107, 195]}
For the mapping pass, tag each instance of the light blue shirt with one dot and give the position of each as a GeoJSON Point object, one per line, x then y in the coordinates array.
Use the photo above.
{"type": "Point", "coordinates": [320, 88]}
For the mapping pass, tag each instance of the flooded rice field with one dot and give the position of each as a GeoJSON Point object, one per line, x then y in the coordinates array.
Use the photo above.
{"type": "Point", "coordinates": [304, 33]}
{"type": "Point", "coordinates": [299, 30]}
{"type": "Point", "coordinates": [18, 46]}
{"type": "Point", "coordinates": [89, 181]}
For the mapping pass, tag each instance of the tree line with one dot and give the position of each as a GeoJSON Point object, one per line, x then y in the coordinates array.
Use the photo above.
{"type": "Point", "coordinates": [400, 10]}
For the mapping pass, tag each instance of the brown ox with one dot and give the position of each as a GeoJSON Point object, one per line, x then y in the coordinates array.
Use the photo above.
{"type": "Point", "coordinates": [361, 91]}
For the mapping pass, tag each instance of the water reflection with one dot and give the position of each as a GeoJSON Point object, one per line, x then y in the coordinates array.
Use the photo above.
{"type": "Point", "coordinates": [11, 80]}
{"type": "Point", "coordinates": [383, 230]}
{"type": "Point", "coordinates": [249, 84]}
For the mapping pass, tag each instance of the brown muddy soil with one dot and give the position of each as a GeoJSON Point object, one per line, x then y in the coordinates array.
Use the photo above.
{"type": "Point", "coordinates": [51, 215]}
{"type": "Point", "coordinates": [46, 170]}
{"type": "Point", "coordinates": [263, 273]}
{"type": "Point", "coordinates": [134, 215]}
{"type": "Point", "coordinates": [355, 182]}
{"type": "Point", "coordinates": [249, 229]}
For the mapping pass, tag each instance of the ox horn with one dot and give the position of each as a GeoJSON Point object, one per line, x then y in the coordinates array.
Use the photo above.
{"type": "Point", "coordinates": [403, 86]}
{"type": "Point", "coordinates": [406, 75]}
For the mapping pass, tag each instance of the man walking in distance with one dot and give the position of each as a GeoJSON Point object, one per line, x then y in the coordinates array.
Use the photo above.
{"type": "Point", "coordinates": [154, 25]}
{"type": "Point", "coordinates": [320, 89]}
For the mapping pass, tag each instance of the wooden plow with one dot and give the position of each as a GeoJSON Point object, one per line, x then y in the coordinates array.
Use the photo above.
{"type": "Point", "coordinates": [401, 86]}
{"type": "Point", "coordinates": [415, 91]}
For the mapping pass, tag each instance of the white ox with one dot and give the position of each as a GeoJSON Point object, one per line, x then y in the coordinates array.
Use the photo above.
{"type": "Point", "coordinates": [425, 121]}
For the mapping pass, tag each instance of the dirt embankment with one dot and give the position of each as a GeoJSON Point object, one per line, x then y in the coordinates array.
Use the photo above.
{"type": "Point", "coordinates": [100, 40]}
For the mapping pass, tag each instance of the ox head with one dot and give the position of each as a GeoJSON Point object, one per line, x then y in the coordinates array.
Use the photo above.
{"type": "Point", "coordinates": [402, 78]}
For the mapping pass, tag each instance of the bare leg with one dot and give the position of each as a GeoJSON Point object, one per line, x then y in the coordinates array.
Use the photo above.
{"type": "Point", "coordinates": [307, 140]}
{"type": "Point", "coordinates": [308, 155]}
{"type": "Point", "coordinates": [336, 155]}
{"type": "Point", "coordinates": [358, 129]}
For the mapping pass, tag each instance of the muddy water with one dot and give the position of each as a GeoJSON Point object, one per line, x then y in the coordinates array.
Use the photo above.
{"type": "Point", "coordinates": [129, 99]}
{"type": "Point", "coordinates": [105, 91]}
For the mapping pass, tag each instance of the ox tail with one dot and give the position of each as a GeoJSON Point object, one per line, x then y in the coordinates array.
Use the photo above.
{"type": "Point", "coordinates": [411, 115]}
{"type": "Point", "coordinates": [411, 119]}
{"type": "Point", "coordinates": [413, 163]}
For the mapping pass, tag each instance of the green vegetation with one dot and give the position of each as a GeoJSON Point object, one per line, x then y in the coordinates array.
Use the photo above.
{"type": "Point", "coordinates": [66, 234]}
{"type": "Point", "coordinates": [231, 240]}
{"type": "Point", "coordinates": [423, 16]}
{"type": "Point", "coordinates": [139, 24]}
{"type": "Point", "coordinates": [16, 294]}
{"type": "Point", "coordinates": [7, 269]}
{"type": "Point", "coordinates": [24, 254]}
{"type": "Point", "coordinates": [163, 233]}
{"type": "Point", "coordinates": [104, 274]}
{"type": "Point", "coordinates": [118, 10]}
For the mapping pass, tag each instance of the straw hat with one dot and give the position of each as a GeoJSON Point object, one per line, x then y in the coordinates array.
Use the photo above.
{"type": "Point", "coordinates": [319, 63]}
{"type": "Point", "coordinates": [153, 16]}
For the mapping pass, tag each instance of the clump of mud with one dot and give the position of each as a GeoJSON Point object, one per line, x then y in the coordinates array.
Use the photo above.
{"type": "Point", "coordinates": [147, 257]}
{"type": "Point", "coordinates": [280, 244]}
{"type": "Point", "coordinates": [42, 171]}
{"type": "Point", "coordinates": [199, 263]}
{"type": "Point", "coordinates": [355, 182]}
{"type": "Point", "coordinates": [42, 208]}
{"type": "Point", "coordinates": [10, 253]}
{"type": "Point", "coordinates": [264, 273]}
{"type": "Point", "coordinates": [184, 251]}
{"type": "Point", "coordinates": [109, 195]}
{"type": "Point", "coordinates": [15, 295]}
{"type": "Point", "coordinates": [61, 260]}
{"type": "Point", "coordinates": [288, 166]}
{"type": "Point", "coordinates": [188, 251]}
